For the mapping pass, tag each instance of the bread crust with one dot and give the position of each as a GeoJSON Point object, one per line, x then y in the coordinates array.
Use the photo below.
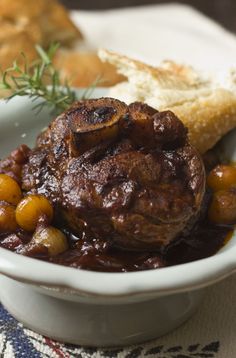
{"type": "Point", "coordinates": [208, 118]}
{"type": "Point", "coordinates": [48, 19]}
{"type": "Point", "coordinates": [12, 47]}
{"type": "Point", "coordinates": [25, 24]}
{"type": "Point", "coordinates": [82, 69]}
{"type": "Point", "coordinates": [205, 107]}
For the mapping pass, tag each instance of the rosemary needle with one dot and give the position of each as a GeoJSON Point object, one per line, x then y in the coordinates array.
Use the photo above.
{"type": "Point", "coordinates": [40, 80]}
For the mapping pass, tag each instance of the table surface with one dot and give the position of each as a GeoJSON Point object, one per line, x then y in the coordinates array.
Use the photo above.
{"type": "Point", "coordinates": [223, 11]}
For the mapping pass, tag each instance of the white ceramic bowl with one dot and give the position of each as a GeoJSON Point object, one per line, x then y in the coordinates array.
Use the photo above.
{"type": "Point", "coordinates": [93, 308]}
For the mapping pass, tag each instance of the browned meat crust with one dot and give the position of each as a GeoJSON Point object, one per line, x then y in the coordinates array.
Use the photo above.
{"type": "Point", "coordinates": [124, 173]}
{"type": "Point", "coordinates": [12, 165]}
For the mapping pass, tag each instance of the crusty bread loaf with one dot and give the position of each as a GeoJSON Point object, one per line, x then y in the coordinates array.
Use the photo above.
{"type": "Point", "coordinates": [25, 23]}
{"type": "Point", "coordinates": [44, 21]}
{"type": "Point", "coordinates": [83, 68]}
{"type": "Point", "coordinates": [206, 106]}
{"type": "Point", "coordinates": [8, 53]}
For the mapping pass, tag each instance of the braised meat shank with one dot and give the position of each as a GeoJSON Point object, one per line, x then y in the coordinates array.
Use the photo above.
{"type": "Point", "coordinates": [126, 174]}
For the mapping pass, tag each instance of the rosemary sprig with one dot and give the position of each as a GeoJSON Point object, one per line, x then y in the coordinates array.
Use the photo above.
{"type": "Point", "coordinates": [40, 80]}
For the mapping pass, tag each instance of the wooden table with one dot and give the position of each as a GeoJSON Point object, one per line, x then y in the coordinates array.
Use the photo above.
{"type": "Point", "coordinates": [223, 11]}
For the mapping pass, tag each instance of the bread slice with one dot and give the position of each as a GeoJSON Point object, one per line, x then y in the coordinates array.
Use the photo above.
{"type": "Point", "coordinates": [25, 23]}
{"type": "Point", "coordinates": [45, 21]}
{"type": "Point", "coordinates": [206, 106]}
{"type": "Point", "coordinates": [13, 46]}
{"type": "Point", "coordinates": [83, 68]}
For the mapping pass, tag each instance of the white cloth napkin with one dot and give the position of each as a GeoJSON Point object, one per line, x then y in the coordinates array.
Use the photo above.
{"type": "Point", "coordinates": [154, 33]}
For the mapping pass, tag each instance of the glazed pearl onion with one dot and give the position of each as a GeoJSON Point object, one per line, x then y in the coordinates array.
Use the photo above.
{"type": "Point", "coordinates": [53, 239]}
{"type": "Point", "coordinates": [223, 207]}
{"type": "Point", "coordinates": [30, 209]}
{"type": "Point", "coordinates": [9, 190]}
{"type": "Point", "coordinates": [7, 218]}
{"type": "Point", "coordinates": [222, 177]}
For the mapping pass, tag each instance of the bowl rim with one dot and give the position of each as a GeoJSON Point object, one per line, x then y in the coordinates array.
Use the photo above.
{"type": "Point", "coordinates": [166, 280]}
{"type": "Point", "coordinates": [160, 281]}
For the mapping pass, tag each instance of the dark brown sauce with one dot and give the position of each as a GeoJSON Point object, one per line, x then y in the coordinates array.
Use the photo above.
{"type": "Point", "coordinates": [204, 240]}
